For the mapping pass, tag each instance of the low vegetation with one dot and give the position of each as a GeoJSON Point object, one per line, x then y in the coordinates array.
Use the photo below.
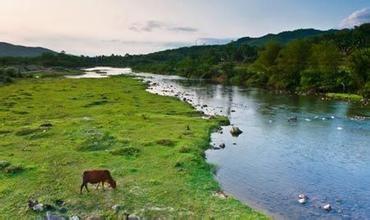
{"type": "Point", "coordinates": [345, 96]}
{"type": "Point", "coordinates": [156, 160]}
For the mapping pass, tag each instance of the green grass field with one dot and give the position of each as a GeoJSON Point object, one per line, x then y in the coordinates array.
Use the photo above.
{"type": "Point", "coordinates": [52, 129]}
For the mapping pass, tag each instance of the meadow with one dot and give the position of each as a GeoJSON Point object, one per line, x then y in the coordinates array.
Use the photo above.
{"type": "Point", "coordinates": [52, 129]}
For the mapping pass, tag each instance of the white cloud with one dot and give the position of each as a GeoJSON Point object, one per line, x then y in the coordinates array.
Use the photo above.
{"type": "Point", "coordinates": [152, 25]}
{"type": "Point", "coordinates": [357, 18]}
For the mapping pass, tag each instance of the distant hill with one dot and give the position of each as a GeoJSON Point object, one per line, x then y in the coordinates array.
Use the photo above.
{"type": "Point", "coordinates": [283, 37]}
{"type": "Point", "coordinates": [10, 50]}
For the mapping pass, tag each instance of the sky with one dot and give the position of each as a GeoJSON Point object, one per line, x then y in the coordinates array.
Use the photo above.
{"type": "Point", "coordinates": [96, 27]}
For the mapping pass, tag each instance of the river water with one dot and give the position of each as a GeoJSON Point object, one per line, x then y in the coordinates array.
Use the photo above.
{"type": "Point", "coordinates": [324, 154]}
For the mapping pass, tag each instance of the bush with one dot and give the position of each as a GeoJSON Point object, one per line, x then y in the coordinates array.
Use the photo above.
{"type": "Point", "coordinates": [366, 90]}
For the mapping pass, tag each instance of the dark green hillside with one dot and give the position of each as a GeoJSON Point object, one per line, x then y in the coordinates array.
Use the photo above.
{"type": "Point", "coordinates": [283, 37]}
{"type": "Point", "coordinates": [10, 50]}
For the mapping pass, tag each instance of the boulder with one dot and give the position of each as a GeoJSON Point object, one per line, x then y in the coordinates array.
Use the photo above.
{"type": "Point", "coordinates": [326, 207]}
{"type": "Point", "coordinates": [59, 202]}
{"type": "Point", "coordinates": [94, 217]}
{"type": "Point", "coordinates": [50, 216]}
{"type": "Point", "coordinates": [293, 119]}
{"type": "Point", "coordinates": [302, 201]}
{"type": "Point", "coordinates": [221, 195]}
{"type": "Point", "coordinates": [235, 131]}
{"type": "Point", "coordinates": [116, 208]}
{"type": "Point", "coordinates": [35, 205]}
{"type": "Point", "coordinates": [131, 217]}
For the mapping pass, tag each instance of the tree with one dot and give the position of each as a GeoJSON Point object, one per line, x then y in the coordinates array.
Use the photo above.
{"type": "Point", "coordinates": [324, 60]}
{"type": "Point", "coordinates": [267, 57]}
{"type": "Point", "coordinates": [292, 60]}
{"type": "Point", "coordinates": [359, 63]}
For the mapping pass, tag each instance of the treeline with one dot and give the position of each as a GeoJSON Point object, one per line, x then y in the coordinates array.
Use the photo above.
{"type": "Point", "coordinates": [338, 61]}
{"type": "Point", "coordinates": [335, 62]}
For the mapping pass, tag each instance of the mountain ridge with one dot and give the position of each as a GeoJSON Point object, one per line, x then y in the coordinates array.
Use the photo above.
{"type": "Point", "coordinates": [12, 50]}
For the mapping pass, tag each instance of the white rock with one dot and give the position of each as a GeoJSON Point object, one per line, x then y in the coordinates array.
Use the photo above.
{"type": "Point", "coordinates": [302, 201]}
{"type": "Point", "coordinates": [302, 196]}
{"type": "Point", "coordinates": [74, 217]}
{"type": "Point", "coordinates": [326, 207]}
{"type": "Point", "coordinates": [38, 207]}
{"type": "Point", "coordinates": [116, 207]}
{"type": "Point", "coordinates": [220, 194]}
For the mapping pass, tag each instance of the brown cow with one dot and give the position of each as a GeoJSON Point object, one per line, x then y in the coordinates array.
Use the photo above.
{"type": "Point", "coordinates": [97, 176]}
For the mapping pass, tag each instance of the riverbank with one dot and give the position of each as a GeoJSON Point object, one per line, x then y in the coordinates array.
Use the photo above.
{"type": "Point", "coordinates": [54, 128]}
{"type": "Point", "coordinates": [346, 97]}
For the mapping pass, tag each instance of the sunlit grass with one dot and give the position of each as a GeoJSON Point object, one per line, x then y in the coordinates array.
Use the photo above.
{"type": "Point", "coordinates": [345, 96]}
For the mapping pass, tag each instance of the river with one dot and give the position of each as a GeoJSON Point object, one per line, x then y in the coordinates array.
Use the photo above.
{"type": "Point", "coordinates": [324, 154]}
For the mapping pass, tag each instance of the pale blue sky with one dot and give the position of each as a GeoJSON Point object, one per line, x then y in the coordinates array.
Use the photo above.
{"type": "Point", "coordinates": [93, 27]}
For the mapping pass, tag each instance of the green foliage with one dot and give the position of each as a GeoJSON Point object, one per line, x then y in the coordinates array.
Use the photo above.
{"type": "Point", "coordinates": [8, 74]}
{"type": "Point", "coordinates": [359, 63]}
{"type": "Point", "coordinates": [345, 96]}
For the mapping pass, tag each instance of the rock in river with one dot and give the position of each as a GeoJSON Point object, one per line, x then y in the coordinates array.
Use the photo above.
{"type": "Point", "coordinates": [235, 131]}
{"type": "Point", "coordinates": [326, 207]}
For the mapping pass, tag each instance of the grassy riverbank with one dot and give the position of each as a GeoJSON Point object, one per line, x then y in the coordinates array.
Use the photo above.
{"type": "Point", "coordinates": [54, 128]}
{"type": "Point", "coordinates": [345, 97]}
